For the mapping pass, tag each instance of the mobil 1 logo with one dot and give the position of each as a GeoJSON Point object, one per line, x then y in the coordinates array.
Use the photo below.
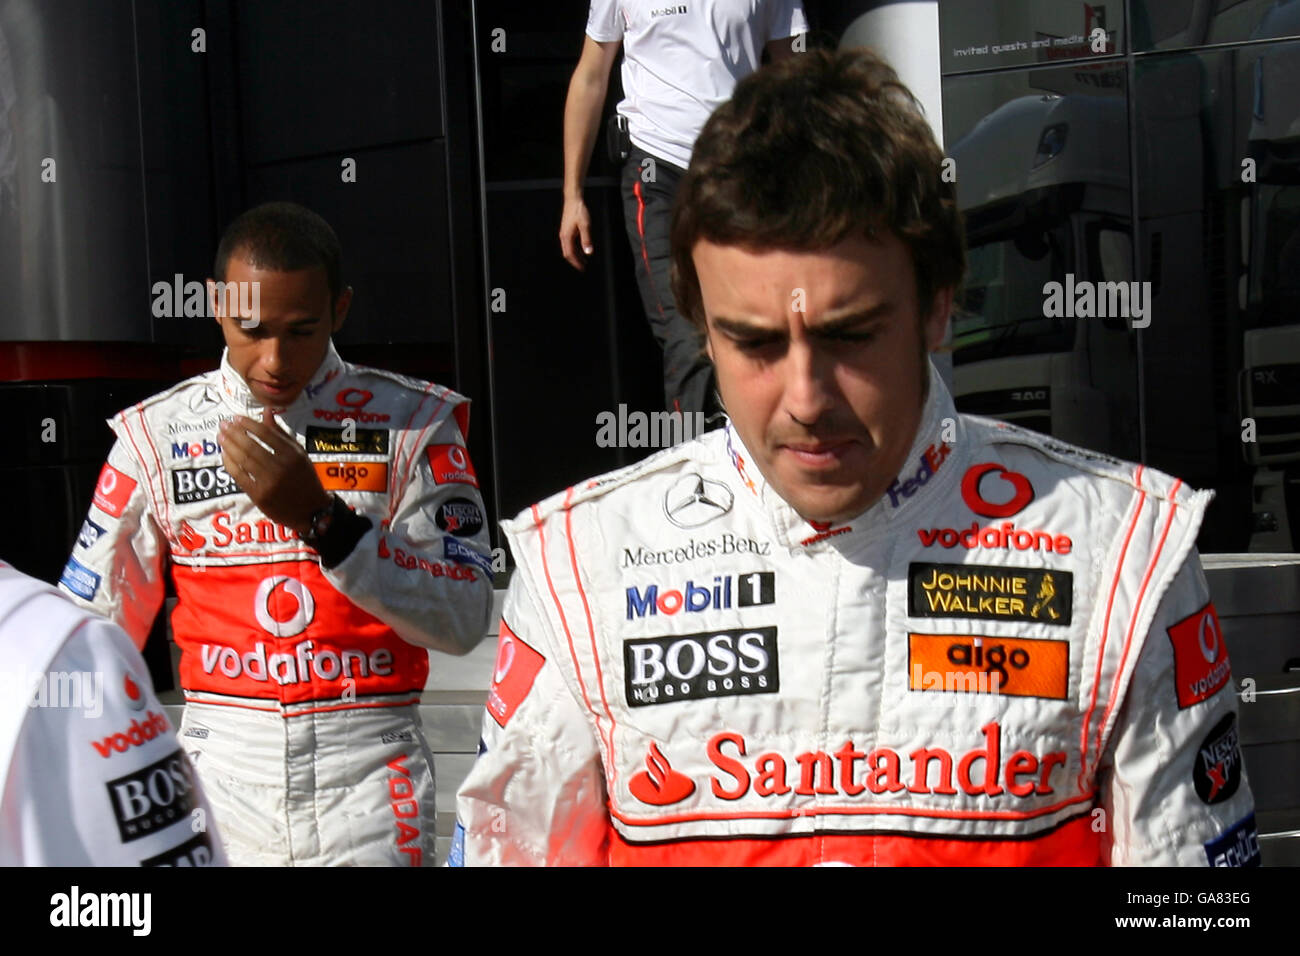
{"type": "Point", "coordinates": [153, 797]}
{"type": "Point", "coordinates": [719, 663]}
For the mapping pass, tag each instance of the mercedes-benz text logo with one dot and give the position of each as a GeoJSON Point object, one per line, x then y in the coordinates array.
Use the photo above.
{"type": "Point", "coordinates": [694, 500]}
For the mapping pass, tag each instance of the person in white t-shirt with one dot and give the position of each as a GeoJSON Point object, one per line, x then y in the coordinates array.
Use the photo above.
{"type": "Point", "coordinates": [91, 772]}
{"type": "Point", "coordinates": [680, 62]}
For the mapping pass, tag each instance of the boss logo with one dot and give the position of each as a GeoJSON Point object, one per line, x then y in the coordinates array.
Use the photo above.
{"type": "Point", "coordinates": [200, 484]}
{"type": "Point", "coordinates": [152, 798]}
{"type": "Point", "coordinates": [660, 670]}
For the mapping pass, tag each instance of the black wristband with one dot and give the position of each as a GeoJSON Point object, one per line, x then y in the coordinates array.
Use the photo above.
{"type": "Point", "coordinates": [345, 530]}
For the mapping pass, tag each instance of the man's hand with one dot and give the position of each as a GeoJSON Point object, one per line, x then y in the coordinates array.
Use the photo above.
{"type": "Point", "coordinates": [282, 481]}
{"type": "Point", "coordinates": [575, 220]}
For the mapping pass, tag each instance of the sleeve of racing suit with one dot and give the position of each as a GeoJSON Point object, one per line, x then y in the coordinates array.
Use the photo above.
{"type": "Point", "coordinates": [1173, 787]}
{"type": "Point", "coordinates": [430, 584]}
{"type": "Point", "coordinates": [119, 558]}
{"type": "Point", "coordinates": [536, 794]}
{"type": "Point", "coordinates": [83, 787]}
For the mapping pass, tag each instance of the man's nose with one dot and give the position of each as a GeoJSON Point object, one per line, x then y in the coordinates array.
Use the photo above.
{"type": "Point", "coordinates": [273, 355]}
{"type": "Point", "coordinates": [809, 381]}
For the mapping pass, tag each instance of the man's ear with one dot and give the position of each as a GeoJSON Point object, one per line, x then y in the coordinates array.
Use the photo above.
{"type": "Point", "coordinates": [212, 300]}
{"type": "Point", "coordinates": [341, 305]}
{"type": "Point", "coordinates": [936, 323]}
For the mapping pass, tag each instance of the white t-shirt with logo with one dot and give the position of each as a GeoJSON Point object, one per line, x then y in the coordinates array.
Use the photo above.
{"type": "Point", "coordinates": [681, 61]}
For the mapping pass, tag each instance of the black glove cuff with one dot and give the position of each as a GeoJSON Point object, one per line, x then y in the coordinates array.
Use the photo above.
{"type": "Point", "coordinates": [342, 535]}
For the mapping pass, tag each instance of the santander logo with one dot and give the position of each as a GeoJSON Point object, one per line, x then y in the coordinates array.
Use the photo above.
{"type": "Point", "coordinates": [659, 784]}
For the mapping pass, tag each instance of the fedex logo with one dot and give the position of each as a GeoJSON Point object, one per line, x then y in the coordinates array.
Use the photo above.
{"type": "Point", "coordinates": [931, 459]}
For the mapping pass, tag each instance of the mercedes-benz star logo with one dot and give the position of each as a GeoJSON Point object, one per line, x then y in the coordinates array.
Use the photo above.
{"type": "Point", "coordinates": [694, 500]}
{"type": "Point", "coordinates": [204, 399]}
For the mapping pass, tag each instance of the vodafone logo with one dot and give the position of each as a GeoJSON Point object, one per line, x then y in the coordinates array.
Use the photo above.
{"type": "Point", "coordinates": [1022, 491]}
{"type": "Point", "coordinates": [353, 397]}
{"type": "Point", "coordinates": [1201, 666]}
{"type": "Point", "coordinates": [275, 598]}
{"type": "Point", "coordinates": [1208, 638]}
{"type": "Point", "coordinates": [505, 657]}
{"type": "Point", "coordinates": [134, 695]}
{"type": "Point", "coordinates": [659, 784]}
{"type": "Point", "coordinates": [113, 491]}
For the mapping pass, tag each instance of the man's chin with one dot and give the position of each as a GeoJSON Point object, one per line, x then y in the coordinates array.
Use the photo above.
{"type": "Point", "coordinates": [833, 505]}
{"type": "Point", "coordinates": [275, 399]}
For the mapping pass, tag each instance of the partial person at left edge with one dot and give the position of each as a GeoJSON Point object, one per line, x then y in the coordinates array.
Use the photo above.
{"type": "Point", "coordinates": [323, 527]}
{"type": "Point", "coordinates": [91, 773]}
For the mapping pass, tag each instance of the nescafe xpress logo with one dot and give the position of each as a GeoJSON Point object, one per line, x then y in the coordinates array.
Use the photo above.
{"type": "Point", "coordinates": [1217, 772]}
{"type": "Point", "coordinates": [460, 517]}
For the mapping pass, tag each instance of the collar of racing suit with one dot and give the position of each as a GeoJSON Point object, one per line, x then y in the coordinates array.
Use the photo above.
{"type": "Point", "coordinates": [237, 396]}
{"type": "Point", "coordinates": [931, 472]}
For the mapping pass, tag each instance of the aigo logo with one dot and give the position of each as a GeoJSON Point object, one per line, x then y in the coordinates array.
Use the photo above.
{"type": "Point", "coordinates": [269, 606]}
{"type": "Point", "coordinates": [1022, 491]}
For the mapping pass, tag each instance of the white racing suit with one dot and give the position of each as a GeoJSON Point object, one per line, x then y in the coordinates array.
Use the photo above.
{"type": "Point", "coordinates": [91, 773]}
{"type": "Point", "coordinates": [301, 680]}
{"type": "Point", "coordinates": [1011, 659]}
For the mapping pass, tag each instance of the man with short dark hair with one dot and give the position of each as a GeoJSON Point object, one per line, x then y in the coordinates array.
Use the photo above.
{"type": "Point", "coordinates": [323, 527]}
{"type": "Point", "coordinates": [855, 626]}
{"type": "Point", "coordinates": [680, 61]}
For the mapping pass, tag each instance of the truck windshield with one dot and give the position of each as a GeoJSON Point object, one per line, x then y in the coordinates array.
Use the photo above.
{"type": "Point", "coordinates": [1275, 257]}
{"type": "Point", "coordinates": [1002, 311]}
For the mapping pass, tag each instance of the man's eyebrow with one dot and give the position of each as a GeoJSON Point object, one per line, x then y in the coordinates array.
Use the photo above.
{"type": "Point", "coordinates": [744, 327]}
{"type": "Point", "coordinates": [851, 320]}
{"type": "Point", "coordinates": [309, 320]}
